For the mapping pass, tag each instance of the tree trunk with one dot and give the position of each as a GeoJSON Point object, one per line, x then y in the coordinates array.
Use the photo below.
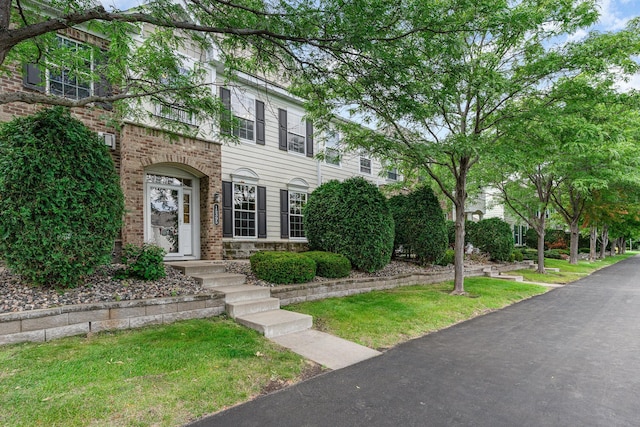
{"type": "Point", "coordinates": [458, 288]}
{"type": "Point", "coordinates": [604, 241]}
{"type": "Point", "coordinates": [540, 234]}
{"type": "Point", "coordinates": [593, 236]}
{"type": "Point", "coordinates": [573, 248]}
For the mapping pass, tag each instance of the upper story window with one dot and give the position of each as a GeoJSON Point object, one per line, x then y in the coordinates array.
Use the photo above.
{"type": "Point", "coordinates": [365, 164]}
{"type": "Point", "coordinates": [332, 148]}
{"type": "Point", "coordinates": [244, 116]}
{"type": "Point", "coordinates": [295, 133]}
{"type": "Point", "coordinates": [71, 78]}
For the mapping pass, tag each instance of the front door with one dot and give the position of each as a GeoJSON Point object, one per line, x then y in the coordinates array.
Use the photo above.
{"type": "Point", "coordinates": [169, 214]}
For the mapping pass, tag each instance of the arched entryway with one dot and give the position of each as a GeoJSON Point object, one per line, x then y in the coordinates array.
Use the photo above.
{"type": "Point", "coordinates": [171, 211]}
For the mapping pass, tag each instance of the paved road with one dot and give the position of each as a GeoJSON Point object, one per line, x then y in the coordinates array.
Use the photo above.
{"type": "Point", "coordinates": [570, 357]}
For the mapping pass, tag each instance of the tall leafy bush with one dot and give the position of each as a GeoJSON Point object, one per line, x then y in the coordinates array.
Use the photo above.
{"type": "Point", "coordinates": [351, 218]}
{"type": "Point", "coordinates": [420, 224]}
{"type": "Point", "coordinates": [493, 236]}
{"type": "Point", "coordinates": [61, 205]}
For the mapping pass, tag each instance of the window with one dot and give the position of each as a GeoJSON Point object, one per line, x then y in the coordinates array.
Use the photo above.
{"type": "Point", "coordinates": [332, 148]}
{"type": "Point", "coordinates": [297, 200]}
{"type": "Point", "coordinates": [365, 165]}
{"type": "Point", "coordinates": [244, 210]}
{"type": "Point", "coordinates": [243, 107]}
{"type": "Point", "coordinates": [176, 114]}
{"type": "Point", "coordinates": [392, 174]}
{"type": "Point", "coordinates": [296, 133]}
{"type": "Point", "coordinates": [71, 80]}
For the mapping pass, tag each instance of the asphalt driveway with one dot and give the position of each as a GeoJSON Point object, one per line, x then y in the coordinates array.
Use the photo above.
{"type": "Point", "coordinates": [570, 357]}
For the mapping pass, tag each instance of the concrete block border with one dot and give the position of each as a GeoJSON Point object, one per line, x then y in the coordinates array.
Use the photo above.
{"type": "Point", "coordinates": [52, 323]}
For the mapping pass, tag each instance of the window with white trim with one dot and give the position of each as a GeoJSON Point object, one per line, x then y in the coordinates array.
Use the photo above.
{"type": "Point", "coordinates": [71, 80]}
{"type": "Point", "coordinates": [244, 210]}
{"type": "Point", "coordinates": [297, 201]}
{"type": "Point", "coordinates": [392, 174]}
{"type": "Point", "coordinates": [296, 133]}
{"type": "Point", "coordinates": [365, 164]}
{"type": "Point", "coordinates": [332, 148]}
{"type": "Point", "coordinates": [243, 107]}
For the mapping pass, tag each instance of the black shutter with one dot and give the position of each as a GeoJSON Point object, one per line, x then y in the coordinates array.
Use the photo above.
{"type": "Point", "coordinates": [282, 121]}
{"type": "Point", "coordinates": [262, 212]}
{"type": "Point", "coordinates": [225, 116]}
{"type": "Point", "coordinates": [284, 214]}
{"type": "Point", "coordinates": [227, 209]}
{"type": "Point", "coordinates": [33, 77]}
{"type": "Point", "coordinates": [309, 138]}
{"type": "Point", "coordinates": [260, 122]}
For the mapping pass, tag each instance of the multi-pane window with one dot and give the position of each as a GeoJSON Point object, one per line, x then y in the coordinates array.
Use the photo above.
{"type": "Point", "coordinates": [520, 235]}
{"type": "Point", "coordinates": [71, 80]}
{"type": "Point", "coordinates": [244, 210]}
{"type": "Point", "coordinates": [243, 107]}
{"type": "Point", "coordinates": [296, 133]}
{"type": "Point", "coordinates": [332, 148]}
{"type": "Point", "coordinates": [297, 201]}
{"type": "Point", "coordinates": [392, 174]}
{"type": "Point", "coordinates": [365, 165]}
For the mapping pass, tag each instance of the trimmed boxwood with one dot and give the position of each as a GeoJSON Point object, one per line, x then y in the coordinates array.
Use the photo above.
{"type": "Point", "coordinates": [495, 237]}
{"type": "Point", "coordinates": [282, 268]}
{"type": "Point", "coordinates": [330, 265]}
{"type": "Point", "coordinates": [61, 204]}
{"type": "Point", "coordinates": [448, 257]}
{"type": "Point", "coordinates": [351, 218]}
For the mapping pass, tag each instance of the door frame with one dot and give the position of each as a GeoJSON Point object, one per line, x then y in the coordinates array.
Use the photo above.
{"type": "Point", "coordinates": [175, 171]}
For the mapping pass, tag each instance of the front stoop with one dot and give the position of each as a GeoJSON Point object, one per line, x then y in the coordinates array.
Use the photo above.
{"type": "Point", "coordinates": [215, 280]}
{"type": "Point", "coordinates": [209, 274]}
{"type": "Point", "coordinates": [275, 323]}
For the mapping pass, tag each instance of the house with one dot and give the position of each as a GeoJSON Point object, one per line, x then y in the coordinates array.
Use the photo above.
{"type": "Point", "coordinates": [202, 198]}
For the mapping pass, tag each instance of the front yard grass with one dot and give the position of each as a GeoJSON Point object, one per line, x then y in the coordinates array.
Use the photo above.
{"type": "Point", "coordinates": [161, 375]}
{"type": "Point", "coordinates": [382, 319]}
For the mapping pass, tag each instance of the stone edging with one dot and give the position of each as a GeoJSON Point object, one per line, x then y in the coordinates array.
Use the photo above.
{"type": "Point", "coordinates": [51, 323]}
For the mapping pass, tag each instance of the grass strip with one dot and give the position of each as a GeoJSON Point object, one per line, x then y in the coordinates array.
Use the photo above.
{"type": "Point", "coordinates": [382, 319]}
{"type": "Point", "coordinates": [162, 375]}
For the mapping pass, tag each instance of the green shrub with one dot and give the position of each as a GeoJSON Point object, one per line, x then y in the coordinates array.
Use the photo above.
{"type": "Point", "coordinates": [518, 255]}
{"type": "Point", "coordinates": [529, 254]}
{"type": "Point", "coordinates": [61, 206]}
{"type": "Point", "coordinates": [531, 238]}
{"type": "Point", "coordinates": [283, 267]}
{"type": "Point", "coordinates": [447, 258]}
{"type": "Point", "coordinates": [556, 253]}
{"type": "Point", "coordinates": [584, 250]}
{"type": "Point", "coordinates": [470, 228]}
{"type": "Point", "coordinates": [420, 224]}
{"type": "Point", "coordinates": [493, 236]}
{"type": "Point", "coordinates": [144, 262]}
{"type": "Point", "coordinates": [329, 265]}
{"type": "Point", "coordinates": [351, 218]}
{"type": "Point", "coordinates": [451, 232]}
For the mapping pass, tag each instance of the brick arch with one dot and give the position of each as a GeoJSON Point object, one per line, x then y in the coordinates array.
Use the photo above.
{"type": "Point", "coordinates": [194, 167]}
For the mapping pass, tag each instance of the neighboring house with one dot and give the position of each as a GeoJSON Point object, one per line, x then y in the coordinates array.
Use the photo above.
{"type": "Point", "coordinates": [200, 198]}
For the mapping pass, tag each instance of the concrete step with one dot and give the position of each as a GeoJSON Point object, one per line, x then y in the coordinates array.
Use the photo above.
{"type": "Point", "coordinates": [243, 308]}
{"type": "Point", "coordinates": [239, 293]}
{"type": "Point", "coordinates": [550, 269]}
{"type": "Point", "coordinates": [508, 277]}
{"type": "Point", "coordinates": [190, 268]}
{"type": "Point", "coordinates": [276, 323]}
{"type": "Point", "coordinates": [214, 280]}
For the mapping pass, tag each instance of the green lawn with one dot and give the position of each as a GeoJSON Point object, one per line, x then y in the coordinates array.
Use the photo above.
{"type": "Point", "coordinates": [382, 319]}
{"type": "Point", "coordinates": [164, 375]}
{"type": "Point", "coordinates": [568, 272]}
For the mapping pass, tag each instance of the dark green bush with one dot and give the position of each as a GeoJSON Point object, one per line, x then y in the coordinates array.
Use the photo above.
{"type": "Point", "coordinates": [529, 254]}
{"type": "Point", "coordinates": [556, 253]}
{"type": "Point", "coordinates": [420, 224]}
{"type": "Point", "coordinates": [283, 267]}
{"type": "Point", "coordinates": [493, 236]}
{"type": "Point", "coordinates": [144, 262]}
{"type": "Point", "coordinates": [470, 228]}
{"type": "Point", "coordinates": [531, 239]}
{"type": "Point", "coordinates": [451, 232]}
{"type": "Point", "coordinates": [447, 258]}
{"type": "Point", "coordinates": [351, 218]}
{"type": "Point", "coordinates": [329, 265]}
{"type": "Point", "coordinates": [61, 205]}
{"type": "Point", "coordinates": [518, 255]}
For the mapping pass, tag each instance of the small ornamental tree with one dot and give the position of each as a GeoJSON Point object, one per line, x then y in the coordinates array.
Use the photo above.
{"type": "Point", "coordinates": [61, 205]}
{"type": "Point", "coordinates": [420, 224]}
{"type": "Point", "coordinates": [494, 236]}
{"type": "Point", "coordinates": [351, 218]}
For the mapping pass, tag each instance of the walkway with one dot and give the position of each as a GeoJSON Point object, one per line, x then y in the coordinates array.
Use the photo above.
{"type": "Point", "coordinates": [570, 357]}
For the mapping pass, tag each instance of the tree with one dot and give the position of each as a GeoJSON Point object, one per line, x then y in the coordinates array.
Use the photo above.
{"type": "Point", "coordinates": [441, 96]}
{"type": "Point", "coordinates": [61, 206]}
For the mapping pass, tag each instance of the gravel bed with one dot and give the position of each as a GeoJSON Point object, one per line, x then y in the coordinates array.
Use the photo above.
{"type": "Point", "coordinates": [102, 287]}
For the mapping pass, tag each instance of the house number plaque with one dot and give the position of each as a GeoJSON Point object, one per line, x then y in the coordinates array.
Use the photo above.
{"type": "Point", "coordinates": [216, 214]}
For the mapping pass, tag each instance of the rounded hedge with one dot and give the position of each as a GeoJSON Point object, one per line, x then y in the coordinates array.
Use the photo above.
{"type": "Point", "coordinates": [420, 224]}
{"type": "Point", "coordinates": [495, 237]}
{"type": "Point", "coordinates": [329, 265]}
{"type": "Point", "coordinates": [282, 267]}
{"type": "Point", "coordinates": [61, 204]}
{"type": "Point", "coordinates": [351, 218]}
